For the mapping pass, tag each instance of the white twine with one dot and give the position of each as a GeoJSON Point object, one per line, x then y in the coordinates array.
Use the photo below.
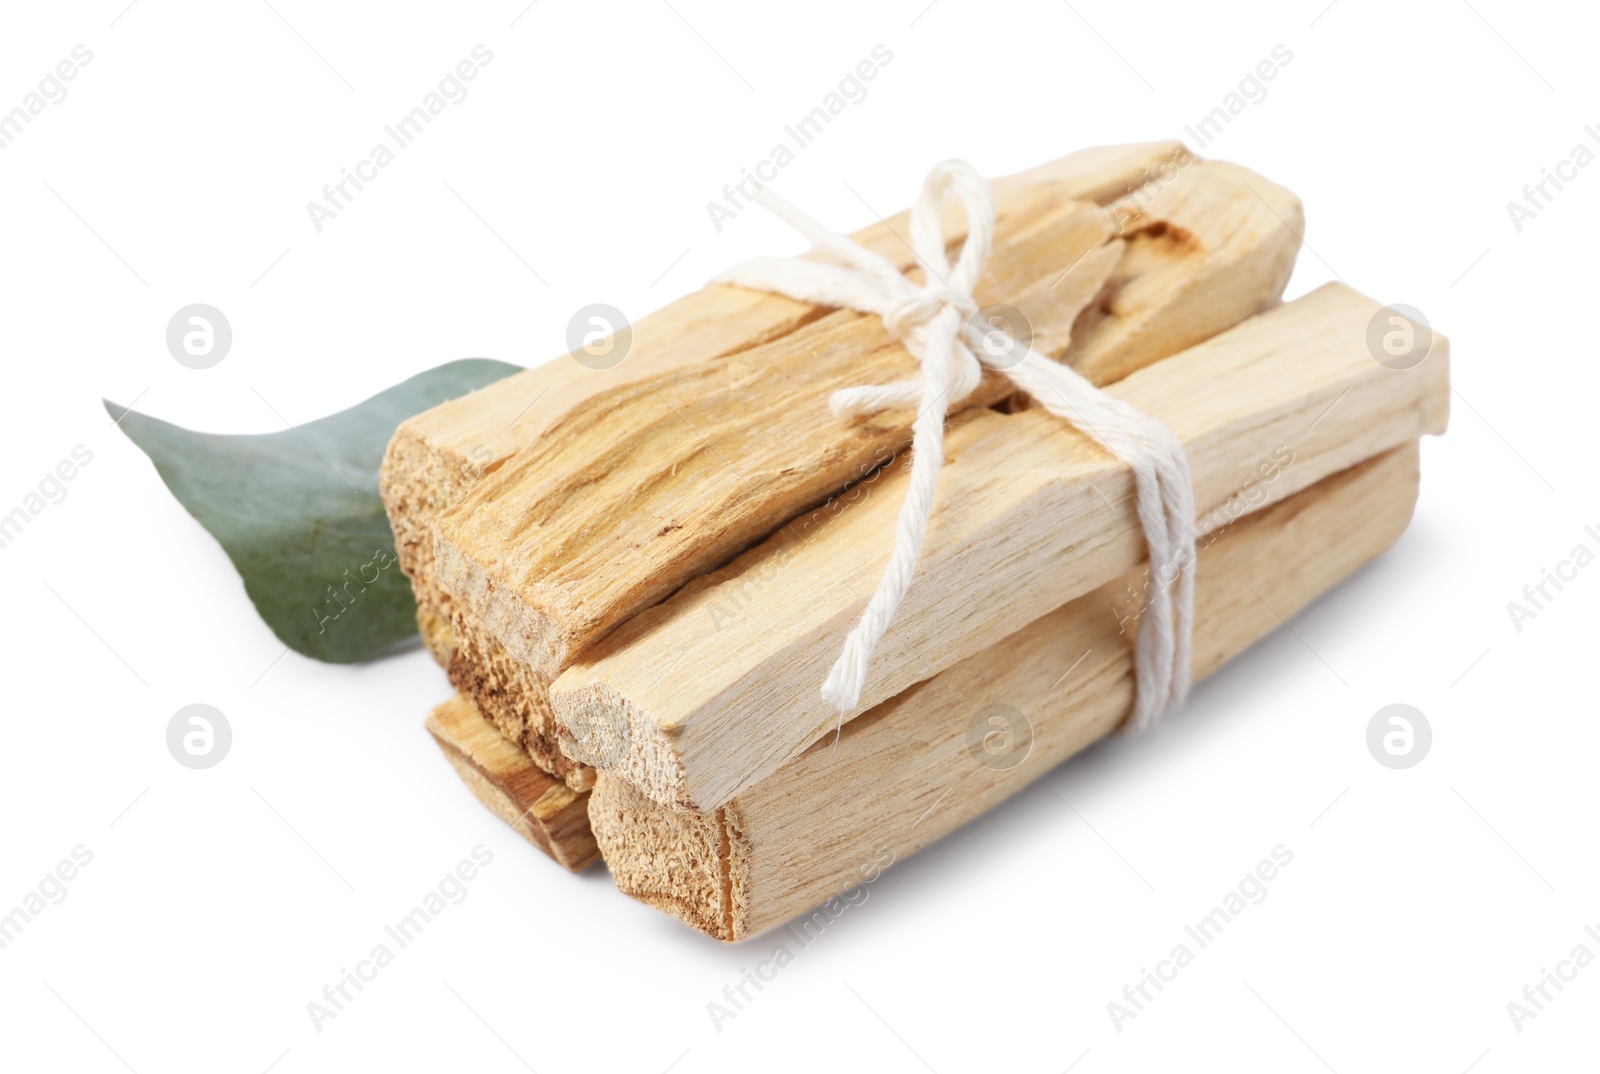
{"type": "Point", "coordinates": [936, 323]}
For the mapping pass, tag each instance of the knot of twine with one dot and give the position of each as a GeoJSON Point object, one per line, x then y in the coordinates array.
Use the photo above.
{"type": "Point", "coordinates": [936, 322]}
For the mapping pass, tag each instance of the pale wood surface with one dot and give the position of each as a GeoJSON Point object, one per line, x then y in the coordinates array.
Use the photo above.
{"type": "Point", "coordinates": [636, 493]}
{"type": "Point", "coordinates": [542, 809]}
{"type": "Point", "coordinates": [648, 486]}
{"type": "Point", "coordinates": [438, 455]}
{"type": "Point", "coordinates": [701, 696]}
{"type": "Point", "coordinates": [911, 771]}
{"type": "Point", "coordinates": [1207, 230]}
{"type": "Point", "coordinates": [513, 695]}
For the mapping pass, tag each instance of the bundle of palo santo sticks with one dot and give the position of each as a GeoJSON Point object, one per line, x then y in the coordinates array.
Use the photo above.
{"type": "Point", "coordinates": [638, 577]}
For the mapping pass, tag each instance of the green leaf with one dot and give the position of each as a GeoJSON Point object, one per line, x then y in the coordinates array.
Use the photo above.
{"type": "Point", "coordinates": [299, 515]}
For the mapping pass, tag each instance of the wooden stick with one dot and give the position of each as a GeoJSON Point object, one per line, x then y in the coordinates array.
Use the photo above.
{"type": "Point", "coordinates": [511, 695]}
{"type": "Point", "coordinates": [717, 687]}
{"type": "Point", "coordinates": [1190, 244]}
{"type": "Point", "coordinates": [639, 492]}
{"type": "Point", "coordinates": [649, 486]}
{"type": "Point", "coordinates": [921, 765]}
{"type": "Point", "coordinates": [543, 810]}
{"type": "Point", "coordinates": [1029, 259]}
{"type": "Point", "coordinates": [438, 455]}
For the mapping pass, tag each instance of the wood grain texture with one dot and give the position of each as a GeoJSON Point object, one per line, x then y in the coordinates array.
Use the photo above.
{"type": "Point", "coordinates": [440, 454]}
{"type": "Point", "coordinates": [436, 457]}
{"type": "Point", "coordinates": [717, 687]}
{"type": "Point", "coordinates": [542, 809]}
{"type": "Point", "coordinates": [1033, 250]}
{"type": "Point", "coordinates": [1181, 238]}
{"type": "Point", "coordinates": [511, 694]}
{"type": "Point", "coordinates": [1186, 237]}
{"type": "Point", "coordinates": [636, 493]}
{"type": "Point", "coordinates": [646, 487]}
{"type": "Point", "coordinates": [923, 764]}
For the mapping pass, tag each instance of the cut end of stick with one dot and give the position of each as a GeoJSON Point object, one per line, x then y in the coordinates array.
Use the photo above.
{"type": "Point", "coordinates": [530, 629]}
{"type": "Point", "coordinates": [418, 479]}
{"type": "Point", "coordinates": [689, 866]}
{"type": "Point", "coordinates": [542, 809]}
{"type": "Point", "coordinates": [436, 633]}
{"type": "Point", "coordinates": [604, 730]}
{"type": "Point", "coordinates": [512, 696]}
{"type": "Point", "coordinates": [601, 729]}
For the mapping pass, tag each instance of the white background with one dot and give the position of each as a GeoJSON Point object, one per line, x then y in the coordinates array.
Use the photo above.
{"type": "Point", "coordinates": [220, 902]}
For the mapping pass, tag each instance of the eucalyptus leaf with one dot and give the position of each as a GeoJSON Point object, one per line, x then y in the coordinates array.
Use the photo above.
{"type": "Point", "coordinates": [298, 511]}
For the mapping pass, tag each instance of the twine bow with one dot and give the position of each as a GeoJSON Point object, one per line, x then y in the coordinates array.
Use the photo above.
{"type": "Point", "coordinates": [936, 322]}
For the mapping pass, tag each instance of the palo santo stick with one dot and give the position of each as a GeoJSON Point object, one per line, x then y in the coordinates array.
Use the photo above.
{"type": "Point", "coordinates": [639, 492]}
{"type": "Point", "coordinates": [915, 768]}
{"type": "Point", "coordinates": [715, 688]}
{"type": "Point", "coordinates": [438, 455]}
{"type": "Point", "coordinates": [511, 695]}
{"type": "Point", "coordinates": [654, 484]}
{"type": "Point", "coordinates": [543, 810]}
{"type": "Point", "coordinates": [1205, 249]}
{"type": "Point", "coordinates": [1196, 263]}
{"type": "Point", "coordinates": [1028, 262]}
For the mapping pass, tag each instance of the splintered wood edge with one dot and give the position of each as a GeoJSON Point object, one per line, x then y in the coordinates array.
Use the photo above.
{"type": "Point", "coordinates": [510, 695]}
{"type": "Point", "coordinates": [692, 867]}
{"type": "Point", "coordinates": [436, 632]}
{"type": "Point", "coordinates": [542, 809]}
